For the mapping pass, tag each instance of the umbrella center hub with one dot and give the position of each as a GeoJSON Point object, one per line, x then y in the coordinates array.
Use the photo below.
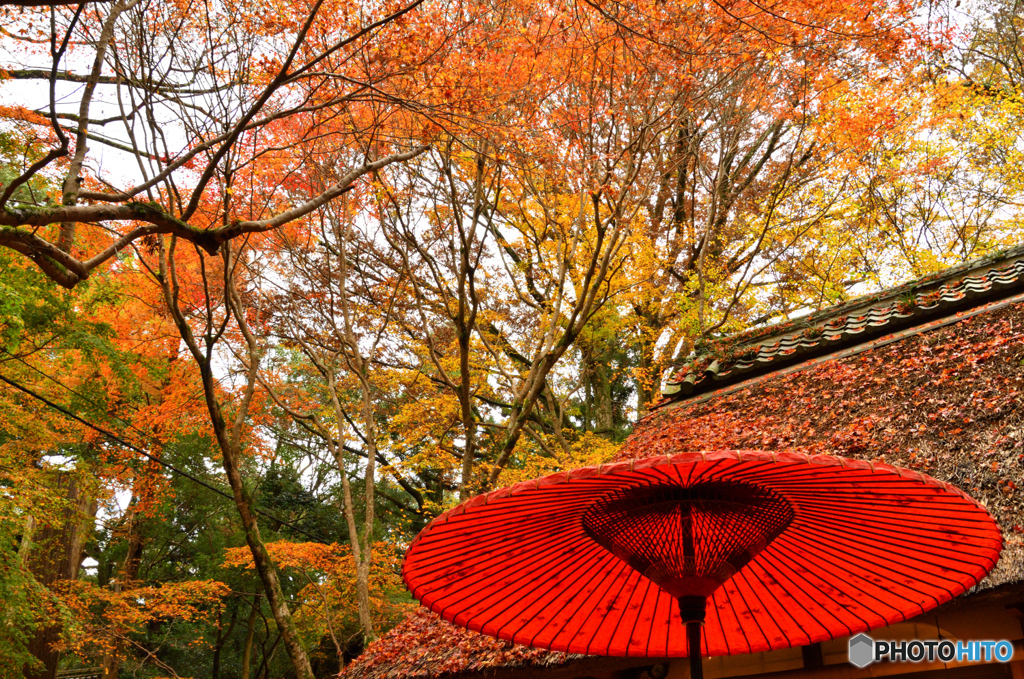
{"type": "Point", "coordinates": [688, 540]}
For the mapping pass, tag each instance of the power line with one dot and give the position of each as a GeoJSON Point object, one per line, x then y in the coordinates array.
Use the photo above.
{"type": "Point", "coordinates": [356, 451]}
{"type": "Point", "coordinates": [80, 395]}
{"type": "Point", "coordinates": [168, 465]}
{"type": "Point", "coordinates": [60, 384]}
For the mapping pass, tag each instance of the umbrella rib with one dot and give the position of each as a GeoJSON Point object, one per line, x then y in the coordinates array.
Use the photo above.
{"type": "Point", "coordinates": [912, 512]}
{"type": "Point", "coordinates": [665, 608]}
{"type": "Point", "coordinates": [624, 583]}
{"type": "Point", "coordinates": [796, 476]}
{"type": "Point", "coordinates": [739, 623]}
{"type": "Point", "coordinates": [547, 568]}
{"type": "Point", "coordinates": [924, 541]}
{"type": "Point", "coordinates": [757, 622]}
{"type": "Point", "coordinates": [829, 578]}
{"type": "Point", "coordinates": [862, 500]}
{"type": "Point", "coordinates": [712, 612]}
{"type": "Point", "coordinates": [443, 560]}
{"type": "Point", "coordinates": [486, 580]}
{"type": "Point", "coordinates": [565, 602]}
{"type": "Point", "coordinates": [877, 564]}
{"type": "Point", "coordinates": [668, 626]}
{"type": "Point", "coordinates": [539, 563]}
{"type": "Point", "coordinates": [782, 559]}
{"type": "Point", "coordinates": [654, 616]}
{"type": "Point", "coordinates": [478, 574]}
{"type": "Point", "coordinates": [639, 610]}
{"type": "Point", "coordinates": [691, 469]}
{"type": "Point", "coordinates": [746, 575]}
{"type": "Point", "coordinates": [786, 574]}
{"type": "Point", "coordinates": [924, 548]}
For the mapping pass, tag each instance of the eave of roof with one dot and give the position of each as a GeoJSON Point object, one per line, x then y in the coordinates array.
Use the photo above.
{"type": "Point", "coordinates": [915, 304]}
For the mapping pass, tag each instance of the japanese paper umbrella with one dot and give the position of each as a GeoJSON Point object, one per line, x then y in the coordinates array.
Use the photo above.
{"type": "Point", "coordinates": [762, 550]}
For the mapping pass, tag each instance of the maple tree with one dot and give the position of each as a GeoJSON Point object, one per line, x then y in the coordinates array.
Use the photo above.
{"type": "Point", "coordinates": [253, 80]}
{"type": "Point", "coordinates": [191, 103]}
{"type": "Point", "coordinates": [104, 620]}
{"type": "Point", "coordinates": [50, 502]}
{"type": "Point", "coordinates": [318, 314]}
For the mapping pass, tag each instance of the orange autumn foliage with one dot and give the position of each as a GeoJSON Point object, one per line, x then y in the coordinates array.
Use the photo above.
{"type": "Point", "coordinates": [103, 621]}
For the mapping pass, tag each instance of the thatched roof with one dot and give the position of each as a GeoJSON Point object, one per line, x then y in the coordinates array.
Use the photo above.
{"type": "Point", "coordinates": [427, 646]}
{"type": "Point", "coordinates": [941, 393]}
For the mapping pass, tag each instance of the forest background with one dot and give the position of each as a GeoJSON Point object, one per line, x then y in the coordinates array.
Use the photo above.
{"type": "Point", "coordinates": [281, 281]}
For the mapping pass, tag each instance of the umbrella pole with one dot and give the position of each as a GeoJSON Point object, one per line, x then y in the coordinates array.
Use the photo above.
{"type": "Point", "coordinates": [693, 642]}
{"type": "Point", "coordinates": [692, 609]}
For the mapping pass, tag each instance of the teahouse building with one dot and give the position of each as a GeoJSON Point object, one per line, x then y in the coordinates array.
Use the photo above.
{"type": "Point", "coordinates": [928, 376]}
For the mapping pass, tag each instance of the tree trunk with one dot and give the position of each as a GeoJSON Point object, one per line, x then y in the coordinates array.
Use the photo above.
{"type": "Point", "coordinates": [648, 386]}
{"type": "Point", "coordinates": [229, 437]}
{"type": "Point", "coordinates": [363, 599]}
{"type": "Point", "coordinates": [129, 572]}
{"type": "Point", "coordinates": [603, 408]}
{"type": "Point", "coordinates": [250, 634]}
{"type": "Point", "coordinates": [598, 380]}
{"type": "Point", "coordinates": [264, 565]}
{"type": "Point", "coordinates": [54, 553]}
{"type": "Point", "coordinates": [222, 637]}
{"type": "Point", "coordinates": [268, 657]}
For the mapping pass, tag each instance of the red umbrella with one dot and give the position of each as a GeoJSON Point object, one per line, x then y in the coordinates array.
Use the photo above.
{"type": "Point", "coordinates": [764, 550]}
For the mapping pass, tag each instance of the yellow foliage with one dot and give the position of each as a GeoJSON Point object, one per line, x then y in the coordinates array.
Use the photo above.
{"type": "Point", "coordinates": [328, 597]}
{"type": "Point", "coordinates": [588, 450]}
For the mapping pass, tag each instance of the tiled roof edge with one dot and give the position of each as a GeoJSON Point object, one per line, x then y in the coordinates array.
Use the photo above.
{"type": "Point", "coordinates": [926, 282]}
{"type": "Point", "coordinates": [914, 303]}
{"type": "Point", "coordinates": [731, 387]}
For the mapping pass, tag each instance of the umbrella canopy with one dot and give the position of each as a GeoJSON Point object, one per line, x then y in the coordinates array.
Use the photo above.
{"type": "Point", "coordinates": [782, 549]}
